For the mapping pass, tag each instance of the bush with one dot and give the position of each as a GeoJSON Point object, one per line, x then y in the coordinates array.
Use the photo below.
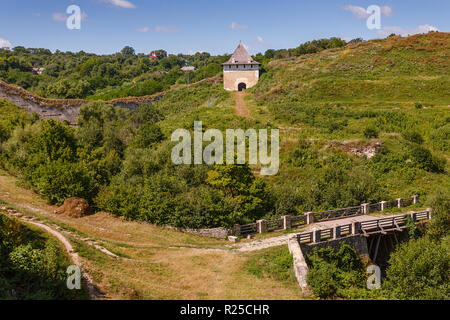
{"type": "Point", "coordinates": [58, 181]}
{"type": "Point", "coordinates": [419, 270]}
{"type": "Point", "coordinates": [425, 160]}
{"type": "Point", "coordinates": [335, 273]}
{"type": "Point", "coordinates": [413, 136]}
{"type": "Point", "coordinates": [439, 227]}
{"type": "Point", "coordinates": [370, 133]}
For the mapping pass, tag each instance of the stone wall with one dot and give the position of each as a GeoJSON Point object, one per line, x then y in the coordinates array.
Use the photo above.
{"type": "Point", "coordinates": [300, 266]}
{"type": "Point", "coordinates": [231, 79]}
{"type": "Point", "coordinates": [220, 233]}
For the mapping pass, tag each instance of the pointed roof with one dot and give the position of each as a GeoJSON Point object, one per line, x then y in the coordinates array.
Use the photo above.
{"type": "Point", "coordinates": [241, 56]}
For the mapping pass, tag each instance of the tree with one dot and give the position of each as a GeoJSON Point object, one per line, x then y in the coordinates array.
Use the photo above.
{"type": "Point", "coordinates": [439, 227]}
{"type": "Point", "coordinates": [127, 51]}
{"type": "Point", "coordinates": [419, 270]}
{"type": "Point", "coordinates": [242, 190]}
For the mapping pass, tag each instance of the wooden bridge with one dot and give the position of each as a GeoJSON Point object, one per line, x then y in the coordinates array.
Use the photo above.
{"type": "Point", "coordinates": [365, 236]}
{"type": "Point", "coordinates": [364, 228]}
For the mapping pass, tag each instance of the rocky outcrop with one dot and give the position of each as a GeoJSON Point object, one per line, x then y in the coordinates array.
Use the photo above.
{"type": "Point", "coordinates": [63, 109]}
{"type": "Point", "coordinates": [68, 109]}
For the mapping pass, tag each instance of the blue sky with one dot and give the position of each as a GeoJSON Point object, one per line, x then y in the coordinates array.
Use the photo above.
{"type": "Point", "coordinates": [214, 26]}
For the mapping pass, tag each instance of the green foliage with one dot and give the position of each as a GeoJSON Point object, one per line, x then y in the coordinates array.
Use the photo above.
{"type": "Point", "coordinates": [245, 193]}
{"type": "Point", "coordinates": [335, 273]}
{"type": "Point", "coordinates": [439, 227]}
{"type": "Point", "coordinates": [425, 160]}
{"type": "Point", "coordinates": [413, 136]}
{"type": "Point", "coordinates": [32, 266]}
{"type": "Point", "coordinates": [58, 181]}
{"type": "Point", "coordinates": [83, 75]}
{"type": "Point", "coordinates": [419, 270]}
{"type": "Point", "coordinates": [371, 132]}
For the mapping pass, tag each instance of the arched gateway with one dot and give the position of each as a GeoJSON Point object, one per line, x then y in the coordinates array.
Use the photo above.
{"type": "Point", "coordinates": [241, 71]}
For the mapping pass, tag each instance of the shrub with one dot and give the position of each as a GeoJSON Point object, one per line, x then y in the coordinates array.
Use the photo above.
{"type": "Point", "coordinates": [418, 269]}
{"type": "Point", "coordinates": [425, 160]}
{"type": "Point", "coordinates": [413, 136]}
{"type": "Point", "coordinates": [370, 133]}
{"type": "Point", "coordinates": [332, 273]}
{"type": "Point", "coordinates": [58, 181]}
{"type": "Point", "coordinates": [439, 227]}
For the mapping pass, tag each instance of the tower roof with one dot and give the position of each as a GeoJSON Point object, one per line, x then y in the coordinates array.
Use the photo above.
{"type": "Point", "coordinates": [241, 56]}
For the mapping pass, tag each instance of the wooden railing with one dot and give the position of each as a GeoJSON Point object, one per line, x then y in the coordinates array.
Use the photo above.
{"type": "Point", "coordinates": [366, 228]}
{"type": "Point", "coordinates": [289, 222]}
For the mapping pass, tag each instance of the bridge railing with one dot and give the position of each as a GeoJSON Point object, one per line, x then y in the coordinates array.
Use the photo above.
{"type": "Point", "coordinates": [289, 222]}
{"type": "Point", "coordinates": [365, 228]}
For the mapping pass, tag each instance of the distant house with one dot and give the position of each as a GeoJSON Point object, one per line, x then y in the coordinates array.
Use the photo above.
{"type": "Point", "coordinates": [37, 71]}
{"type": "Point", "coordinates": [241, 71]}
{"type": "Point", "coordinates": [152, 56]}
{"type": "Point", "coordinates": [188, 68]}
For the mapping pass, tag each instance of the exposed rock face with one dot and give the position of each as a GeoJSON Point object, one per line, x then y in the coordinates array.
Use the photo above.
{"type": "Point", "coordinates": [356, 147]}
{"type": "Point", "coordinates": [75, 208]}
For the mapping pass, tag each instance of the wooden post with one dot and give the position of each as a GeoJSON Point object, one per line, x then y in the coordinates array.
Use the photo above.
{"type": "Point", "coordinates": [237, 229]}
{"type": "Point", "coordinates": [262, 226]}
{"type": "Point", "coordinates": [309, 217]}
{"type": "Point", "coordinates": [317, 235]}
{"type": "Point", "coordinates": [383, 205]}
{"type": "Point", "coordinates": [337, 232]}
{"type": "Point", "coordinates": [399, 202]}
{"type": "Point", "coordinates": [414, 216]}
{"type": "Point", "coordinates": [415, 199]}
{"type": "Point", "coordinates": [287, 222]}
{"type": "Point", "coordinates": [356, 228]}
{"type": "Point", "coordinates": [365, 208]}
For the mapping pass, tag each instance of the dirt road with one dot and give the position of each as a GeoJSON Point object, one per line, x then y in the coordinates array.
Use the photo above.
{"type": "Point", "coordinates": [240, 106]}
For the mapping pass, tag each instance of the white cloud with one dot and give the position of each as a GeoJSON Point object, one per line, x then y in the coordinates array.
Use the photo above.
{"type": "Point", "coordinates": [387, 11]}
{"type": "Point", "coordinates": [5, 43]}
{"type": "Point", "coordinates": [358, 12]}
{"type": "Point", "coordinates": [57, 16]}
{"type": "Point", "coordinates": [407, 31]}
{"type": "Point", "coordinates": [237, 26]}
{"type": "Point", "coordinates": [361, 13]}
{"type": "Point", "coordinates": [167, 29]}
{"type": "Point", "coordinates": [121, 3]}
{"type": "Point", "coordinates": [61, 17]}
{"type": "Point", "coordinates": [145, 29]}
{"type": "Point", "coordinates": [260, 39]}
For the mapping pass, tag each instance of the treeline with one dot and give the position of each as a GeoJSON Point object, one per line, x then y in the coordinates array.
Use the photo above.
{"type": "Point", "coordinates": [103, 77]}
{"type": "Point", "coordinates": [304, 48]}
{"type": "Point", "coordinates": [85, 75]}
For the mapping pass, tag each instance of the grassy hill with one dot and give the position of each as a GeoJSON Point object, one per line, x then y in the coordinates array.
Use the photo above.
{"type": "Point", "coordinates": [386, 98]}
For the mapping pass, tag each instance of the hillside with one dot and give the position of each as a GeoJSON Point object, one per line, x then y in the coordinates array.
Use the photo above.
{"type": "Point", "coordinates": [359, 124]}
{"type": "Point", "coordinates": [384, 98]}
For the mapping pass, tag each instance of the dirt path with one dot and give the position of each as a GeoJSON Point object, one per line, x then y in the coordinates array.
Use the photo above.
{"type": "Point", "coordinates": [67, 245]}
{"type": "Point", "coordinates": [240, 106]}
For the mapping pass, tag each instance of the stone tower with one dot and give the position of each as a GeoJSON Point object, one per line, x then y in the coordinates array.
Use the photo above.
{"type": "Point", "coordinates": [241, 71]}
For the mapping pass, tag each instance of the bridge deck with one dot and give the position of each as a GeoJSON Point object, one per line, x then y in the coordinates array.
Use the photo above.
{"type": "Point", "coordinates": [360, 225]}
